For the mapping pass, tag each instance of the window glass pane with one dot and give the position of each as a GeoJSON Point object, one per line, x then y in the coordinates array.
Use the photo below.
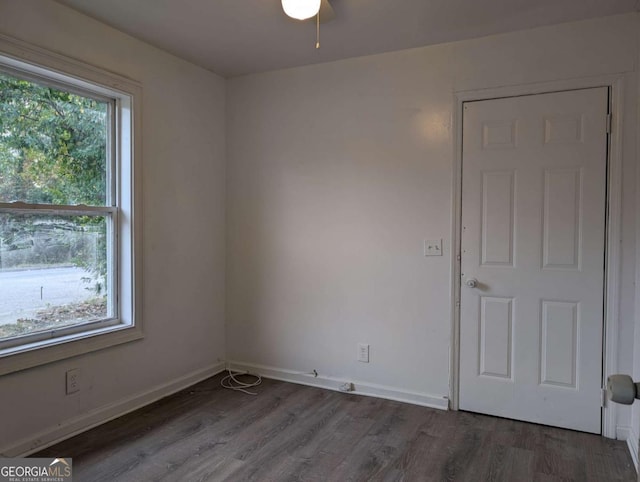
{"type": "Point", "coordinates": [54, 272]}
{"type": "Point", "coordinates": [53, 145]}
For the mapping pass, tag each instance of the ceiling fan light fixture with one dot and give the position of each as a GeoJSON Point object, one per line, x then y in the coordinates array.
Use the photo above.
{"type": "Point", "coordinates": [301, 9]}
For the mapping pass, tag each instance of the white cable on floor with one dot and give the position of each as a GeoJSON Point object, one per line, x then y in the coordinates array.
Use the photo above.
{"type": "Point", "coordinates": [232, 383]}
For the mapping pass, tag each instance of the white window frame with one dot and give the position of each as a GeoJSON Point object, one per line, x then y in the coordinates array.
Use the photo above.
{"type": "Point", "coordinates": [125, 207]}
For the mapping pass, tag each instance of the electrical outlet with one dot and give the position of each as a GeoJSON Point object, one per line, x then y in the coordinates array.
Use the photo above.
{"type": "Point", "coordinates": [73, 381]}
{"type": "Point", "coordinates": [363, 352]}
{"type": "Point", "coordinates": [433, 247]}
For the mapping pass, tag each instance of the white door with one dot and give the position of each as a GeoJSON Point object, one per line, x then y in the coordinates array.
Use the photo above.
{"type": "Point", "coordinates": [533, 232]}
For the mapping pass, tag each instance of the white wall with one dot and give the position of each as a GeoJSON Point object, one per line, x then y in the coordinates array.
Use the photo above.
{"type": "Point", "coordinates": [337, 172]}
{"type": "Point", "coordinates": [184, 232]}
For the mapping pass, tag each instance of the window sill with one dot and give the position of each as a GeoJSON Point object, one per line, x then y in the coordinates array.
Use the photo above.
{"type": "Point", "coordinates": [47, 351]}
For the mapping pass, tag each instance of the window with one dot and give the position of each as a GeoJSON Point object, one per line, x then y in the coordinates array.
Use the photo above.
{"type": "Point", "coordinates": [67, 202]}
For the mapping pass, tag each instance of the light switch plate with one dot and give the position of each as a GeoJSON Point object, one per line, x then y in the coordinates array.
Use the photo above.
{"type": "Point", "coordinates": [433, 247]}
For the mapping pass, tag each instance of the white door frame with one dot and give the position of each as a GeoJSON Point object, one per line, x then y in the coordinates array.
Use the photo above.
{"type": "Point", "coordinates": [615, 83]}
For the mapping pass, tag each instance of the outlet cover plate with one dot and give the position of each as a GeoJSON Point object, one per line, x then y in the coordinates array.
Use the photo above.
{"type": "Point", "coordinates": [363, 352]}
{"type": "Point", "coordinates": [73, 381]}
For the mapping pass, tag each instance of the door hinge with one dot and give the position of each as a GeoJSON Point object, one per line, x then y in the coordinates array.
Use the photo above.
{"type": "Point", "coordinates": [609, 123]}
{"type": "Point", "coordinates": [603, 397]}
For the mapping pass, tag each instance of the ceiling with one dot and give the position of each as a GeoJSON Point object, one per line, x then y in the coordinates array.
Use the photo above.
{"type": "Point", "coordinates": [235, 37]}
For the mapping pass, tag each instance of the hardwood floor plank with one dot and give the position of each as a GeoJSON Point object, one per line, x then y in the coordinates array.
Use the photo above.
{"type": "Point", "coordinates": [410, 464]}
{"type": "Point", "coordinates": [295, 433]}
{"type": "Point", "coordinates": [519, 464]}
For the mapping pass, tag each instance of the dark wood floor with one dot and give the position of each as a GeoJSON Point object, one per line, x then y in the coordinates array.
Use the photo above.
{"type": "Point", "coordinates": [291, 432]}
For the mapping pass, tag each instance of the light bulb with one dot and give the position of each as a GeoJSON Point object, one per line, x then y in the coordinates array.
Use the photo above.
{"type": "Point", "coordinates": [301, 9]}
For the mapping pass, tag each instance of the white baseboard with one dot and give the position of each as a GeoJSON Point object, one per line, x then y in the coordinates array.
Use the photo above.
{"type": "Point", "coordinates": [629, 435]}
{"type": "Point", "coordinates": [87, 421]}
{"type": "Point", "coordinates": [622, 432]}
{"type": "Point", "coordinates": [360, 388]}
{"type": "Point", "coordinates": [632, 443]}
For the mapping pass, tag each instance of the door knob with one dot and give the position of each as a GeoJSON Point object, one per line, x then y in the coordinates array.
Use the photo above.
{"type": "Point", "coordinates": [471, 283]}
{"type": "Point", "coordinates": [622, 389]}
